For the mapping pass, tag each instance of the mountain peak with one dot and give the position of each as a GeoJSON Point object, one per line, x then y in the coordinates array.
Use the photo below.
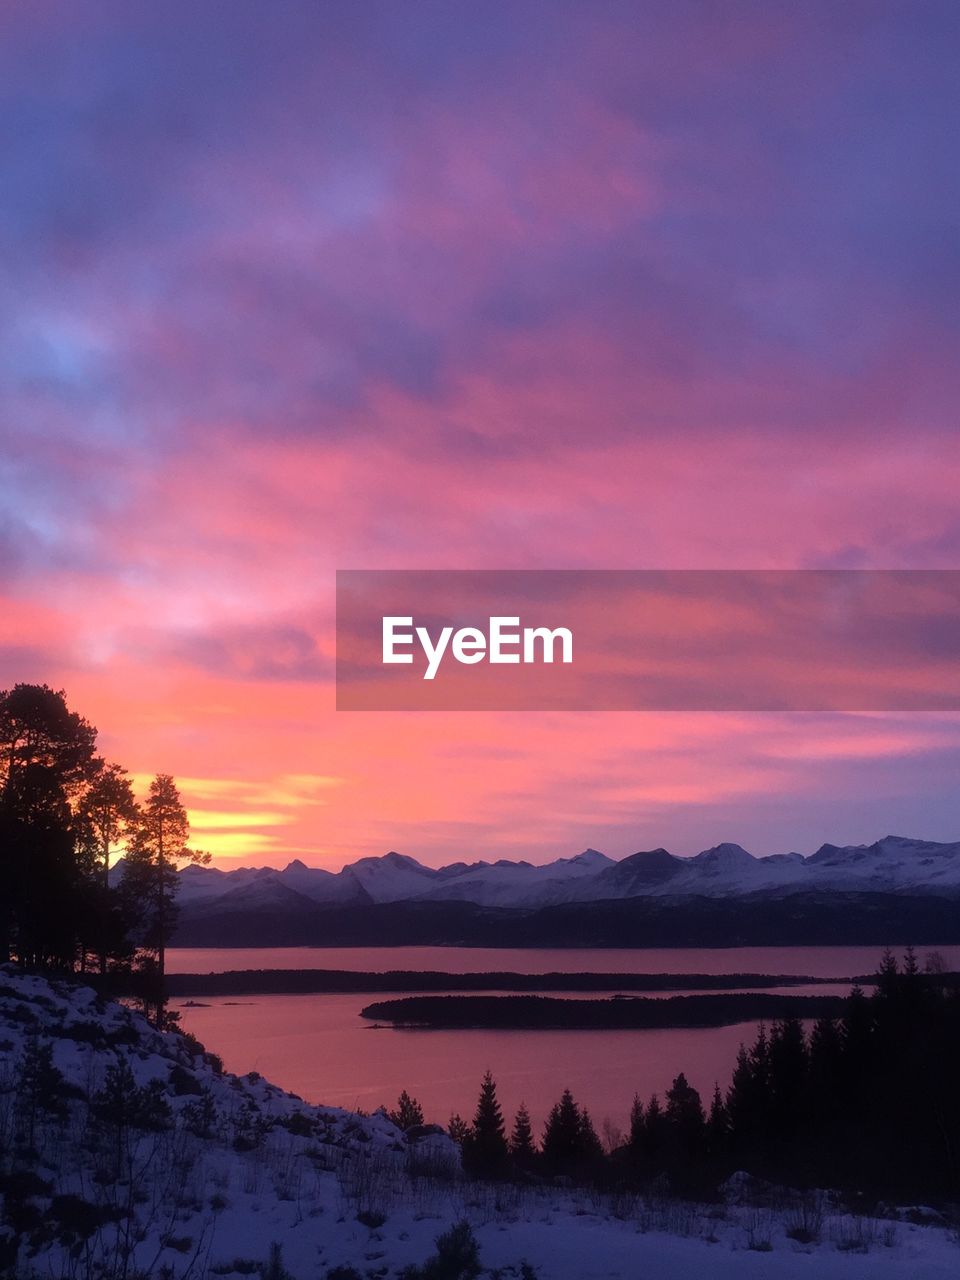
{"type": "Point", "coordinates": [726, 853]}
{"type": "Point", "coordinates": [592, 858]}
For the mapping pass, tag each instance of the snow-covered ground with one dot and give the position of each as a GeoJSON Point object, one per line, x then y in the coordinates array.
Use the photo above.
{"type": "Point", "coordinates": [234, 1164]}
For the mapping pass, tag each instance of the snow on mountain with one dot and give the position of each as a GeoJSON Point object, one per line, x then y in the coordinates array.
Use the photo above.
{"type": "Point", "coordinates": [268, 894]}
{"type": "Point", "coordinates": [125, 1151]}
{"type": "Point", "coordinates": [521, 884]}
{"type": "Point", "coordinates": [893, 864]}
{"type": "Point", "coordinates": [392, 878]}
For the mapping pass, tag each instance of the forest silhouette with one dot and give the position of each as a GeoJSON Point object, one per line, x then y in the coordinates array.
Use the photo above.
{"type": "Point", "coordinates": [64, 813]}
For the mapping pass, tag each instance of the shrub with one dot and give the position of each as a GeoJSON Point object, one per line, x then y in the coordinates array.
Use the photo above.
{"type": "Point", "coordinates": [183, 1081]}
{"type": "Point", "coordinates": [274, 1269]}
{"type": "Point", "coordinates": [408, 1113]}
{"type": "Point", "coordinates": [457, 1257]}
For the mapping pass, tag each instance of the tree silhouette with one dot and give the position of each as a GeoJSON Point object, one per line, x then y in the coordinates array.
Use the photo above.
{"type": "Point", "coordinates": [46, 758]}
{"type": "Point", "coordinates": [107, 813]}
{"type": "Point", "coordinates": [685, 1118]}
{"type": "Point", "coordinates": [485, 1150]}
{"type": "Point", "coordinates": [458, 1129]}
{"type": "Point", "coordinates": [591, 1148]}
{"type": "Point", "coordinates": [718, 1124]}
{"type": "Point", "coordinates": [408, 1112]}
{"type": "Point", "coordinates": [157, 847]}
{"type": "Point", "coordinates": [637, 1122]}
{"type": "Point", "coordinates": [522, 1149]}
{"type": "Point", "coordinates": [563, 1137]}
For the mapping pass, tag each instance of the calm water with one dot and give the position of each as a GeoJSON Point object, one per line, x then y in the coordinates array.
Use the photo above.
{"type": "Point", "coordinates": [319, 1047]}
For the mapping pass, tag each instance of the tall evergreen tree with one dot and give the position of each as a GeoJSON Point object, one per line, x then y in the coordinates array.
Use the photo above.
{"type": "Point", "coordinates": [107, 814]}
{"type": "Point", "coordinates": [522, 1150]}
{"type": "Point", "coordinates": [654, 1133]}
{"type": "Point", "coordinates": [748, 1096]}
{"type": "Point", "coordinates": [486, 1151]}
{"type": "Point", "coordinates": [564, 1136]}
{"type": "Point", "coordinates": [637, 1121]}
{"type": "Point", "coordinates": [591, 1148]}
{"type": "Point", "coordinates": [158, 846]}
{"type": "Point", "coordinates": [788, 1079]}
{"type": "Point", "coordinates": [718, 1124]}
{"type": "Point", "coordinates": [46, 757]}
{"type": "Point", "coordinates": [685, 1118]}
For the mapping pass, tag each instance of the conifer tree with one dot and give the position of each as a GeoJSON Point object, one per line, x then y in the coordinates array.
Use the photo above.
{"type": "Point", "coordinates": [637, 1121]}
{"type": "Point", "coordinates": [40, 1088]}
{"type": "Point", "coordinates": [825, 1065]}
{"type": "Point", "coordinates": [408, 1112]}
{"type": "Point", "coordinates": [788, 1074]}
{"type": "Point", "coordinates": [718, 1124]}
{"type": "Point", "coordinates": [747, 1097]}
{"type": "Point", "coordinates": [458, 1129]}
{"type": "Point", "coordinates": [857, 1038]}
{"type": "Point", "coordinates": [591, 1148]}
{"type": "Point", "coordinates": [486, 1151]}
{"type": "Point", "coordinates": [46, 758]}
{"type": "Point", "coordinates": [107, 812]}
{"type": "Point", "coordinates": [654, 1131]}
{"type": "Point", "coordinates": [522, 1151]}
{"type": "Point", "coordinates": [563, 1136]}
{"type": "Point", "coordinates": [684, 1114]}
{"type": "Point", "coordinates": [158, 846]}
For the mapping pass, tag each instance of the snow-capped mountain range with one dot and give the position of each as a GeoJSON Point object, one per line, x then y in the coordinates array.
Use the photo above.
{"type": "Point", "coordinates": [893, 864]}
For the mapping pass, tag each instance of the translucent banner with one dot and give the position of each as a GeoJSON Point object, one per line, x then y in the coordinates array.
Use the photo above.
{"type": "Point", "coordinates": [639, 640]}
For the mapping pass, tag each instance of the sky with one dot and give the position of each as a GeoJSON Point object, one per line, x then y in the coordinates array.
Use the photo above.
{"type": "Point", "coordinates": [293, 288]}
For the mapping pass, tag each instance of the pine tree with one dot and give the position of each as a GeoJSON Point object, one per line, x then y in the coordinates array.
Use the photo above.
{"type": "Point", "coordinates": [789, 1069]}
{"type": "Point", "coordinates": [522, 1151]}
{"type": "Point", "coordinates": [150, 882]}
{"type": "Point", "coordinates": [40, 1088]}
{"type": "Point", "coordinates": [684, 1114]}
{"type": "Point", "coordinates": [591, 1148]}
{"type": "Point", "coordinates": [654, 1133]}
{"type": "Point", "coordinates": [857, 1038]}
{"type": "Point", "coordinates": [718, 1124]}
{"type": "Point", "coordinates": [637, 1122]}
{"type": "Point", "coordinates": [825, 1054]}
{"type": "Point", "coordinates": [458, 1129]}
{"type": "Point", "coordinates": [486, 1152]}
{"type": "Point", "coordinates": [408, 1114]}
{"type": "Point", "coordinates": [562, 1137]}
{"type": "Point", "coordinates": [46, 758]}
{"type": "Point", "coordinates": [747, 1097]}
{"type": "Point", "coordinates": [107, 812]}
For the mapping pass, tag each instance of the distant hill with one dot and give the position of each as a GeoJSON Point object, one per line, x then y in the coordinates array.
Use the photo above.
{"type": "Point", "coordinates": [896, 890]}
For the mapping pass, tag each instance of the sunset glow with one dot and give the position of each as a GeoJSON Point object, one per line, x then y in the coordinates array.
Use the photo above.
{"type": "Point", "coordinates": [280, 311]}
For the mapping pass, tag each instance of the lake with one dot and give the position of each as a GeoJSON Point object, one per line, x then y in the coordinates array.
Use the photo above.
{"type": "Point", "coordinates": [319, 1047]}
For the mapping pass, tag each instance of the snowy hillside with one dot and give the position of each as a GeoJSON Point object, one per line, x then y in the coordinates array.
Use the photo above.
{"type": "Point", "coordinates": [126, 1152]}
{"type": "Point", "coordinates": [893, 864]}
